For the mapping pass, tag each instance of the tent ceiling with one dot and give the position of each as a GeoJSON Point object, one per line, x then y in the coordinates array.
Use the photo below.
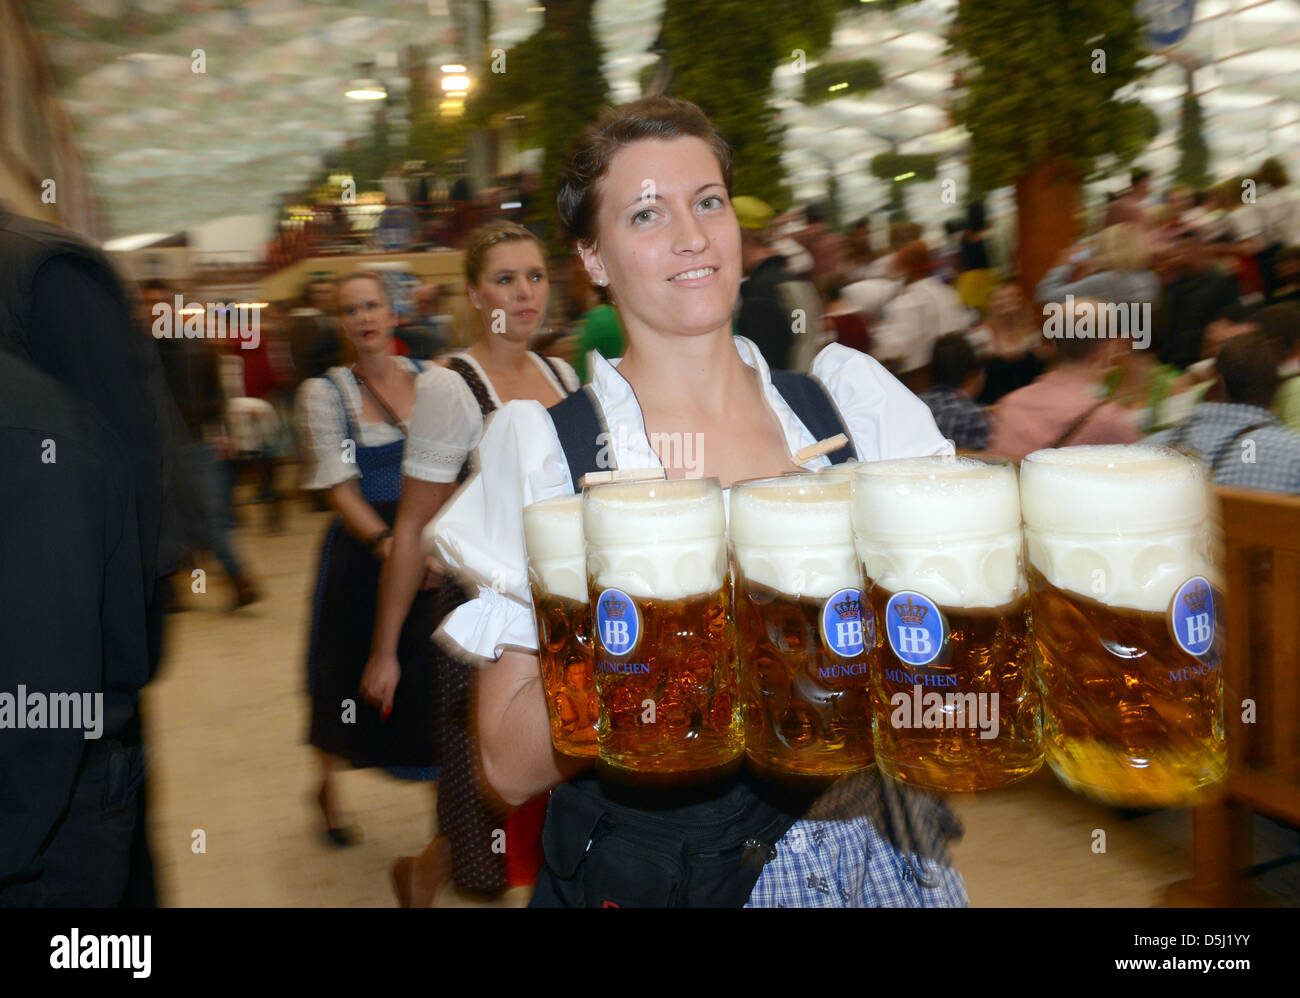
{"type": "Point", "coordinates": [170, 148]}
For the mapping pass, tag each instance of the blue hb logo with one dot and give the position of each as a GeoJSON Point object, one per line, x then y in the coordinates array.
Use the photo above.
{"type": "Point", "coordinates": [915, 628]}
{"type": "Point", "coordinates": [617, 621]}
{"type": "Point", "coordinates": [842, 623]}
{"type": "Point", "coordinates": [1191, 616]}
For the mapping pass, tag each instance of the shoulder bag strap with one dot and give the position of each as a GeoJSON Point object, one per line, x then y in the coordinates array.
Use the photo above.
{"type": "Point", "coordinates": [389, 415]}
{"type": "Point", "coordinates": [1077, 425]}
{"type": "Point", "coordinates": [1222, 452]}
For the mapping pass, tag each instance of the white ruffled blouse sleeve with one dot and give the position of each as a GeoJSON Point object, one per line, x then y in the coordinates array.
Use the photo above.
{"type": "Point", "coordinates": [322, 425]}
{"type": "Point", "coordinates": [884, 419]}
{"type": "Point", "coordinates": [480, 532]}
{"type": "Point", "coordinates": [446, 425]}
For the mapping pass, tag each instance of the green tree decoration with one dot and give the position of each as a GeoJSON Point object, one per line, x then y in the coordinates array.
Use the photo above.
{"type": "Point", "coordinates": [722, 57]}
{"type": "Point", "coordinates": [1193, 154]}
{"type": "Point", "coordinates": [1040, 104]}
{"type": "Point", "coordinates": [833, 80]}
{"type": "Point", "coordinates": [902, 169]}
{"type": "Point", "coordinates": [554, 79]}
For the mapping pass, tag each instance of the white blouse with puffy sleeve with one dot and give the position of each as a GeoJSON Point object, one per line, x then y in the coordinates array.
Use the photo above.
{"type": "Point", "coordinates": [479, 533]}
{"type": "Point", "coordinates": [447, 422]}
{"type": "Point", "coordinates": [322, 409]}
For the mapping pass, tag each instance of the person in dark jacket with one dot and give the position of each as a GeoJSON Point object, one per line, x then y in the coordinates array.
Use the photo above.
{"type": "Point", "coordinates": [763, 315]}
{"type": "Point", "coordinates": [73, 616]}
{"type": "Point", "coordinates": [64, 310]}
{"type": "Point", "coordinates": [1198, 292]}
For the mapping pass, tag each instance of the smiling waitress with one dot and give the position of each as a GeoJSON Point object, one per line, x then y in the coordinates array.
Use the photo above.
{"type": "Point", "coordinates": [645, 198]}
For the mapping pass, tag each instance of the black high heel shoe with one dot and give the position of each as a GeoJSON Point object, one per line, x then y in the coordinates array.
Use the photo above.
{"type": "Point", "coordinates": [341, 836]}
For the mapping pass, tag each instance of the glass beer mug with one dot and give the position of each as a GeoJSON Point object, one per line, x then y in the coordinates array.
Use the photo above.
{"type": "Point", "coordinates": [956, 707]}
{"type": "Point", "coordinates": [666, 676]}
{"type": "Point", "coordinates": [805, 659]}
{"type": "Point", "coordinates": [557, 573]}
{"type": "Point", "coordinates": [1123, 586]}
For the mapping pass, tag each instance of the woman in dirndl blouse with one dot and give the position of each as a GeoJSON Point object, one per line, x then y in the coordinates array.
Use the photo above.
{"type": "Point", "coordinates": [507, 284]}
{"type": "Point", "coordinates": [646, 199]}
{"type": "Point", "coordinates": [353, 421]}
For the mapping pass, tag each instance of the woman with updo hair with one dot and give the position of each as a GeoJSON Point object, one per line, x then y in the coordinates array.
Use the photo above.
{"type": "Point", "coordinates": [508, 286]}
{"type": "Point", "coordinates": [645, 200]}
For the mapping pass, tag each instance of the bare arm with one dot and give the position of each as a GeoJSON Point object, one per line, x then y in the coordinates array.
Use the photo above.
{"type": "Point", "coordinates": [359, 517]}
{"type": "Point", "coordinates": [515, 732]}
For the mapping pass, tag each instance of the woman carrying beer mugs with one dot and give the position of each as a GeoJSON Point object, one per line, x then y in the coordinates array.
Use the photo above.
{"type": "Point", "coordinates": [646, 198]}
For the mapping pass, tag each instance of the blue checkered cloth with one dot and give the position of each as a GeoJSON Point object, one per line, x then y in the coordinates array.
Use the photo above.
{"type": "Point", "coordinates": [868, 842]}
{"type": "Point", "coordinates": [958, 418]}
{"type": "Point", "coordinates": [1267, 457]}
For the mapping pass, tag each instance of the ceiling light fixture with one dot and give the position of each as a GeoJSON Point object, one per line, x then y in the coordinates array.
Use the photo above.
{"type": "Point", "coordinates": [365, 89]}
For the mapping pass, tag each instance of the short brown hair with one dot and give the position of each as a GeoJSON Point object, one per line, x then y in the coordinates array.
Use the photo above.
{"type": "Point", "coordinates": [1248, 366]}
{"type": "Point", "coordinates": [577, 195]}
{"type": "Point", "coordinates": [1075, 349]}
{"type": "Point", "coordinates": [485, 237]}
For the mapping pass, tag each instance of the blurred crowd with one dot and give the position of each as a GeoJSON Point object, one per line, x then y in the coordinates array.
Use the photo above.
{"type": "Point", "coordinates": [1177, 318]}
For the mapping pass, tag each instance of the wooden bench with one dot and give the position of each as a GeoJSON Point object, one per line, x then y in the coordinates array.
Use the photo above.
{"type": "Point", "coordinates": [1261, 576]}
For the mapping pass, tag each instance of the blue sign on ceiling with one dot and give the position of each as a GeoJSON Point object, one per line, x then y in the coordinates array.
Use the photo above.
{"type": "Point", "coordinates": [1166, 21]}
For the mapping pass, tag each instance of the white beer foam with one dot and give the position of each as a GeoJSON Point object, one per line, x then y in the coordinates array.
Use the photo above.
{"type": "Point", "coordinates": [664, 540]}
{"type": "Point", "coordinates": [557, 556]}
{"type": "Point", "coordinates": [946, 527]}
{"type": "Point", "coordinates": [794, 534]}
{"type": "Point", "coordinates": [839, 472]}
{"type": "Point", "coordinates": [1125, 525]}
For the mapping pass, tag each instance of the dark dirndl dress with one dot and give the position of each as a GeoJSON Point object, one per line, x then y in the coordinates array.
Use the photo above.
{"type": "Point", "coordinates": [343, 619]}
{"type": "Point", "coordinates": [471, 821]}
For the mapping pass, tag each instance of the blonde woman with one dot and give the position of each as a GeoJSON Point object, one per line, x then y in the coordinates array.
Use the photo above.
{"type": "Point", "coordinates": [1116, 270]}
{"type": "Point", "coordinates": [508, 286]}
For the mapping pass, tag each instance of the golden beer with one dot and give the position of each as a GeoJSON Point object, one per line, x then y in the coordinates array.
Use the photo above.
{"type": "Point", "coordinates": [1125, 622]}
{"type": "Point", "coordinates": [665, 668]}
{"type": "Point", "coordinates": [557, 572]}
{"type": "Point", "coordinates": [956, 703]}
{"type": "Point", "coordinates": [805, 656]}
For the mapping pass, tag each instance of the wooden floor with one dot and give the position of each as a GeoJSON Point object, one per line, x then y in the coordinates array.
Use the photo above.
{"type": "Point", "coordinates": [227, 724]}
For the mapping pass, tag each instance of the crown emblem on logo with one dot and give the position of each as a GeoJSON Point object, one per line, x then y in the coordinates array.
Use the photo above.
{"type": "Point", "coordinates": [1197, 600]}
{"type": "Point", "coordinates": [615, 607]}
{"type": "Point", "coordinates": [910, 612]}
{"type": "Point", "coordinates": [848, 608]}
